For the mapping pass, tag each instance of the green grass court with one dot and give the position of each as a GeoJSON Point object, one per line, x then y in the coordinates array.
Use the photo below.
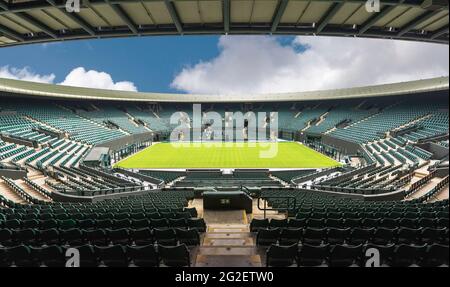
{"type": "Point", "coordinates": [227, 155]}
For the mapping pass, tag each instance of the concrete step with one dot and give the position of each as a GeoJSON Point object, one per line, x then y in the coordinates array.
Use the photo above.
{"type": "Point", "coordinates": [228, 261]}
{"type": "Point", "coordinates": [269, 216]}
{"type": "Point", "coordinates": [228, 242]}
{"type": "Point", "coordinates": [31, 191]}
{"type": "Point", "coordinates": [426, 188]}
{"type": "Point", "coordinates": [442, 195]}
{"type": "Point", "coordinates": [8, 193]}
{"type": "Point", "coordinates": [233, 227]}
{"type": "Point", "coordinates": [227, 235]}
{"type": "Point", "coordinates": [214, 217]}
{"type": "Point", "coordinates": [228, 230]}
{"type": "Point", "coordinates": [321, 118]}
{"type": "Point", "coordinates": [420, 174]}
{"type": "Point", "coordinates": [36, 176]}
{"type": "Point", "coordinates": [228, 251]}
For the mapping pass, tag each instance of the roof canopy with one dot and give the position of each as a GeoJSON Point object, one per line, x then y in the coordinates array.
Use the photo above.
{"type": "Point", "coordinates": [37, 21]}
{"type": "Point", "coordinates": [38, 90]}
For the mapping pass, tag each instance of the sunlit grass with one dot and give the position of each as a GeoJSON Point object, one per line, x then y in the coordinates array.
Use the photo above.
{"type": "Point", "coordinates": [228, 155]}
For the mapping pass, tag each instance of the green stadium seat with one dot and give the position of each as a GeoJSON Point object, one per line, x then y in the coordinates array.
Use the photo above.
{"type": "Point", "coordinates": [336, 236]}
{"type": "Point", "coordinates": [313, 256]}
{"type": "Point", "coordinates": [72, 237]}
{"type": "Point", "coordinates": [384, 236]}
{"type": "Point", "coordinates": [175, 256]}
{"type": "Point", "coordinates": [408, 236]}
{"type": "Point", "coordinates": [408, 255]}
{"type": "Point", "coordinates": [113, 256]}
{"type": "Point", "coordinates": [26, 236]}
{"type": "Point", "coordinates": [189, 237]}
{"type": "Point", "coordinates": [50, 236]}
{"type": "Point", "coordinates": [345, 256]}
{"type": "Point", "coordinates": [197, 223]}
{"type": "Point", "coordinates": [267, 237]}
{"type": "Point", "coordinates": [119, 236]}
{"type": "Point", "coordinates": [6, 237]}
{"type": "Point", "coordinates": [143, 256]}
{"type": "Point", "coordinates": [22, 256]}
{"type": "Point", "coordinates": [96, 237]}
{"type": "Point", "coordinates": [165, 237]}
{"type": "Point", "coordinates": [314, 236]}
{"type": "Point", "coordinates": [142, 237]}
{"type": "Point", "coordinates": [436, 256]}
{"type": "Point", "coordinates": [257, 224]}
{"type": "Point", "coordinates": [52, 256]}
{"type": "Point", "coordinates": [290, 236]}
{"type": "Point", "coordinates": [282, 256]}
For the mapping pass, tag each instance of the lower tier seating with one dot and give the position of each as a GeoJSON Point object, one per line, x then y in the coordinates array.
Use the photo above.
{"type": "Point", "coordinates": [343, 255]}
{"type": "Point", "coordinates": [95, 256]}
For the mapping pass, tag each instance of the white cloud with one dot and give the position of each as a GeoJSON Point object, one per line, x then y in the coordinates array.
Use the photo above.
{"type": "Point", "coordinates": [79, 77]}
{"type": "Point", "coordinates": [24, 74]}
{"type": "Point", "coordinates": [255, 64]}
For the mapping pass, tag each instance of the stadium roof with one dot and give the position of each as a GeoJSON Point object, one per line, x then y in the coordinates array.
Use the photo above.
{"type": "Point", "coordinates": [38, 21]}
{"type": "Point", "coordinates": [37, 90]}
{"type": "Point", "coordinates": [97, 154]}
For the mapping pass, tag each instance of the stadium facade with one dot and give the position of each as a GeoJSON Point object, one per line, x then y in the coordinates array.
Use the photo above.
{"type": "Point", "coordinates": [58, 149]}
{"type": "Point", "coordinates": [67, 179]}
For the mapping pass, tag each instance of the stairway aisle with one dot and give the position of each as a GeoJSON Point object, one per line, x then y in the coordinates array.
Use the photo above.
{"type": "Point", "coordinates": [21, 183]}
{"type": "Point", "coordinates": [228, 245]}
{"type": "Point", "coordinates": [228, 241]}
{"type": "Point", "coordinates": [8, 193]}
{"type": "Point", "coordinates": [426, 188]}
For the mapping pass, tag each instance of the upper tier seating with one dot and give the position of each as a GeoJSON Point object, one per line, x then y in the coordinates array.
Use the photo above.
{"type": "Point", "coordinates": [347, 112]}
{"type": "Point", "coordinates": [110, 113]}
{"type": "Point", "coordinates": [150, 118]}
{"type": "Point", "coordinates": [392, 117]}
{"type": "Point", "coordinates": [80, 129]}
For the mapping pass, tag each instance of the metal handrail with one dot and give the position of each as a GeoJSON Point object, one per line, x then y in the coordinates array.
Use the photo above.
{"type": "Point", "coordinates": [288, 201]}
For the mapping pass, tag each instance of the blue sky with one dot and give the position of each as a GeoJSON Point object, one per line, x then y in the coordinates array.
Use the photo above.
{"type": "Point", "coordinates": [225, 64]}
{"type": "Point", "coordinates": [150, 62]}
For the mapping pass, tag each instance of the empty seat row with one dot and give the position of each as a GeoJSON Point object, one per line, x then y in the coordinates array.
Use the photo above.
{"type": "Point", "coordinates": [104, 223]}
{"type": "Point", "coordinates": [94, 216]}
{"type": "Point", "coordinates": [138, 211]}
{"type": "Point", "coordinates": [100, 237]}
{"type": "Point", "coordinates": [318, 236]}
{"type": "Point", "coordinates": [403, 255]}
{"type": "Point", "coordinates": [94, 256]}
{"type": "Point", "coordinates": [350, 223]}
